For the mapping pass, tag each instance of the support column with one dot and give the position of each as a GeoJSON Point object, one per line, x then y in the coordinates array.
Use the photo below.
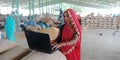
{"type": "Point", "coordinates": [12, 4]}
{"type": "Point", "coordinates": [18, 16]}
{"type": "Point", "coordinates": [42, 7]}
{"type": "Point", "coordinates": [0, 9]}
{"type": "Point", "coordinates": [53, 8]}
{"type": "Point", "coordinates": [46, 6]}
{"type": "Point", "coordinates": [33, 14]}
{"type": "Point", "coordinates": [15, 13]}
{"type": "Point", "coordinates": [61, 4]}
{"type": "Point", "coordinates": [29, 10]}
{"type": "Point", "coordinates": [39, 8]}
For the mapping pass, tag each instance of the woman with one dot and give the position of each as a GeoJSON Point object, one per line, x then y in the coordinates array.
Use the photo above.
{"type": "Point", "coordinates": [10, 28]}
{"type": "Point", "coordinates": [70, 37]}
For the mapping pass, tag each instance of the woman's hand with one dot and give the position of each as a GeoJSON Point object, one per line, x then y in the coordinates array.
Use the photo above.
{"type": "Point", "coordinates": [57, 45]}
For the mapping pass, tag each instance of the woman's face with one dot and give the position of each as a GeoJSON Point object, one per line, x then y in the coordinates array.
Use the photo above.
{"type": "Point", "coordinates": [66, 17]}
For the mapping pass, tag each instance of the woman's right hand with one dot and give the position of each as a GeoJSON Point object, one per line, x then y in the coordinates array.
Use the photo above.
{"type": "Point", "coordinates": [57, 45]}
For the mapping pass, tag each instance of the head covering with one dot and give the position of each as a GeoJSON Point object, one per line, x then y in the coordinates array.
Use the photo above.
{"type": "Point", "coordinates": [75, 22]}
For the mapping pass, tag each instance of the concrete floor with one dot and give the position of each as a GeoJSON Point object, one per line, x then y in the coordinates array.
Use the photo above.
{"type": "Point", "coordinates": [94, 46]}
{"type": "Point", "coordinates": [21, 39]}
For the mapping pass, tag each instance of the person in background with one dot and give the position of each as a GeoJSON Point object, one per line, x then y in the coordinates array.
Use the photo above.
{"type": "Point", "coordinates": [0, 35]}
{"type": "Point", "coordinates": [10, 28]}
{"type": "Point", "coordinates": [60, 17]}
{"type": "Point", "coordinates": [79, 18]}
{"type": "Point", "coordinates": [69, 40]}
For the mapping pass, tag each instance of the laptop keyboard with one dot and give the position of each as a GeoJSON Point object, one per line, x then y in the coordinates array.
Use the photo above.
{"type": "Point", "coordinates": [54, 48]}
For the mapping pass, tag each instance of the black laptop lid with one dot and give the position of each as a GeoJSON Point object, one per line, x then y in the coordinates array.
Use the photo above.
{"type": "Point", "coordinates": [38, 41]}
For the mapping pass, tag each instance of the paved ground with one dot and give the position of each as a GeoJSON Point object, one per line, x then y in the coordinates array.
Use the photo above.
{"type": "Point", "coordinates": [94, 46]}
{"type": "Point", "coordinates": [21, 39]}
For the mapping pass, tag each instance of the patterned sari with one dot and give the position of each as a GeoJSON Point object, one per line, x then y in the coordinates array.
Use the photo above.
{"type": "Point", "coordinates": [72, 52]}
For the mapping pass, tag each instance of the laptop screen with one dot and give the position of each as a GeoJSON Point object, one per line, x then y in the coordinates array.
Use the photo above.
{"type": "Point", "coordinates": [38, 41]}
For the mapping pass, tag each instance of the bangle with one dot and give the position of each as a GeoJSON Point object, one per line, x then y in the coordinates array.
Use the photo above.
{"type": "Point", "coordinates": [66, 43]}
{"type": "Point", "coordinates": [70, 50]}
{"type": "Point", "coordinates": [63, 44]}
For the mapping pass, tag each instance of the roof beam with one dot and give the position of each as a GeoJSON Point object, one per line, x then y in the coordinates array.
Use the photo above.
{"type": "Point", "coordinates": [87, 4]}
{"type": "Point", "coordinates": [79, 3]}
{"type": "Point", "coordinates": [52, 2]}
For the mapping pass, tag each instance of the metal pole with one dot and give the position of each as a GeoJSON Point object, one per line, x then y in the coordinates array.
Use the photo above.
{"type": "Point", "coordinates": [33, 15]}
{"type": "Point", "coordinates": [29, 9]}
{"type": "Point", "coordinates": [12, 4]}
{"type": "Point", "coordinates": [48, 9]}
{"type": "Point", "coordinates": [42, 7]}
{"type": "Point", "coordinates": [18, 19]}
{"type": "Point", "coordinates": [53, 8]}
{"type": "Point", "coordinates": [61, 4]}
{"type": "Point", "coordinates": [46, 5]}
{"type": "Point", "coordinates": [39, 7]}
{"type": "Point", "coordinates": [0, 9]}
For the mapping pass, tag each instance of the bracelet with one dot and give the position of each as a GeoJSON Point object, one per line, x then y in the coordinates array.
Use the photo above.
{"type": "Point", "coordinates": [70, 50]}
{"type": "Point", "coordinates": [66, 44]}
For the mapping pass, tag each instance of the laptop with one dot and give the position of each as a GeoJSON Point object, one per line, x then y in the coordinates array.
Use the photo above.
{"type": "Point", "coordinates": [39, 41]}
